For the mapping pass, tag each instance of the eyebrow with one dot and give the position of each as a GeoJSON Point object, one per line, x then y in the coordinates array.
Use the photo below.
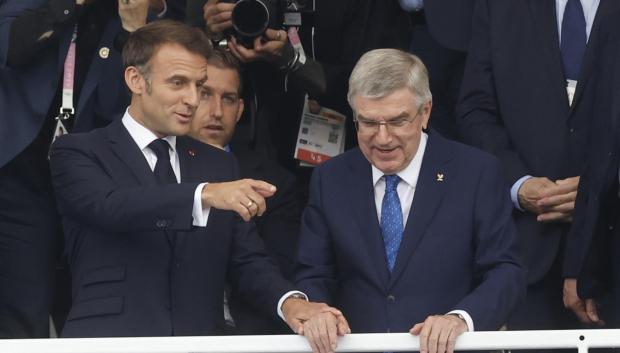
{"type": "Point", "coordinates": [402, 115]}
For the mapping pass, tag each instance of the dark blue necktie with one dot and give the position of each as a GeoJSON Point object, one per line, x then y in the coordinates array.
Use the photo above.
{"type": "Point", "coordinates": [573, 39]}
{"type": "Point", "coordinates": [391, 220]}
{"type": "Point", "coordinates": [163, 169]}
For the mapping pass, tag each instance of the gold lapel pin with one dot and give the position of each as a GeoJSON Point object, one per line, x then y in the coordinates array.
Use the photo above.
{"type": "Point", "coordinates": [104, 52]}
{"type": "Point", "coordinates": [192, 153]}
{"type": "Point", "coordinates": [439, 176]}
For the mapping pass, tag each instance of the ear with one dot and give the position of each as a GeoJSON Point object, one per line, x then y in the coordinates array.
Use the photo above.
{"type": "Point", "coordinates": [134, 80]}
{"type": "Point", "coordinates": [426, 114]}
{"type": "Point", "coordinates": [241, 107]}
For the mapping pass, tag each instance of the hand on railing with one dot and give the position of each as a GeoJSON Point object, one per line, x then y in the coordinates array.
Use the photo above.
{"type": "Point", "coordinates": [438, 333]}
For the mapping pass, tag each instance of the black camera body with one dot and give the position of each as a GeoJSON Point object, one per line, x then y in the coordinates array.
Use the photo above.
{"type": "Point", "coordinates": [251, 18]}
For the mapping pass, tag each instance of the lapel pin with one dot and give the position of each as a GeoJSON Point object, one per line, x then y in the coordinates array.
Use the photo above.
{"type": "Point", "coordinates": [104, 52]}
{"type": "Point", "coordinates": [439, 176]}
{"type": "Point", "coordinates": [192, 153]}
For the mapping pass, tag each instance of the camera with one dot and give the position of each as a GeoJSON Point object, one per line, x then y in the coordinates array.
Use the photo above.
{"type": "Point", "coordinates": [250, 18]}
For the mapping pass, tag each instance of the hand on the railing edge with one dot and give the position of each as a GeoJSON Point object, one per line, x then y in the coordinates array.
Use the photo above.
{"type": "Point", "coordinates": [318, 322]}
{"type": "Point", "coordinates": [585, 310]}
{"type": "Point", "coordinates": [438, 333]}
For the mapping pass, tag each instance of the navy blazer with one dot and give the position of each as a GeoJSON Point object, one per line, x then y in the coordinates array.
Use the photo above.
{"type": "Point", "coordinates": [457, 252]}
{"type": "Point", "coordinates": [27, 93]}
{"type": "Point", "coordinates": [597, 205]}
{"type": "Point", "coordinates": [514, 104]}
{"type": "Point", "coordinates": [139, 267]}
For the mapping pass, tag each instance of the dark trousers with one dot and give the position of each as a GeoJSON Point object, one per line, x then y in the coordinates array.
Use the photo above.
{"type": "Point", "coordinates": [29, 247]}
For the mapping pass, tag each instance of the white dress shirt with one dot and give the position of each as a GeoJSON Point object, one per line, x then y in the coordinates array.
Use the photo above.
{"type": "Point", "coordinates": [143, 137]}
{"type": "Point", "coordinates": [406, 191]}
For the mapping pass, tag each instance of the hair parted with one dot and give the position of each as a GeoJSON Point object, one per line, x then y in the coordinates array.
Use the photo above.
{"type": "Point", "coordinates": [380, 72]}
{"type": "Point", "coordinates": [143, 43]}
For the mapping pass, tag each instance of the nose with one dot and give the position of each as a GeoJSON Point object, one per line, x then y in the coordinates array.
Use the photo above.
{"type": "Point", "coordinates": [383, 136]}
{"type": "Point", "coordinates": [192, 97]}
{"type": "Point", "coordinates": [215, 106]}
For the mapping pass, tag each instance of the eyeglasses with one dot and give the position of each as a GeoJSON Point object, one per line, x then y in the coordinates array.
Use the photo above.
{"type": "Point", "coordinates": [369, 126]}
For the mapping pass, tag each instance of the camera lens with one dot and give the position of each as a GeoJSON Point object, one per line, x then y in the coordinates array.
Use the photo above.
{"type": "Point", "coordinates": [250, 17]}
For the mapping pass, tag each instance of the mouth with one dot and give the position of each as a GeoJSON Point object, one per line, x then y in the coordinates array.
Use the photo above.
{"type": "Point", "coordinates": [214, 128]}
{"type": "Point", "coordinates": [184, 118]}
{"type": "Point", "coordinates": [385, 151]}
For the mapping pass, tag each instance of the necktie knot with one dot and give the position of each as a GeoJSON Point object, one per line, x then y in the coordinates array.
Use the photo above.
{"type": "Point", "coordinates": [391, 182]}
{"type": "Point", "coordinates": [161, 148]}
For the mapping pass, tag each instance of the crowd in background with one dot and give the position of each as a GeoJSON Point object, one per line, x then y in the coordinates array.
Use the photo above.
{"type": "Point", "coordinates": [533, 82]}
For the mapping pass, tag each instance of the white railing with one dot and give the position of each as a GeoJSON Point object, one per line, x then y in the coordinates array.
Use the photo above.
{"type": "Point", "coordinates": [393, 342]}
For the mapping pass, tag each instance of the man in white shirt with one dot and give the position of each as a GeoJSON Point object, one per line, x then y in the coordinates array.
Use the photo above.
{"type": "Point", "coordinates": [150, 235]}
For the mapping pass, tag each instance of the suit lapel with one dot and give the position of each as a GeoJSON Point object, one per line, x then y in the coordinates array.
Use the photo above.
{"type": "Point", "coordinates": [128, 152]}
{"type": "Point", "coordinates": [545, 20]}
{"type": "Point", "coordinates": [362, 194]}
{"type": "Point", "coordinates": [434, 179]}
{"type": "Point", "coordinates": [605, 7]}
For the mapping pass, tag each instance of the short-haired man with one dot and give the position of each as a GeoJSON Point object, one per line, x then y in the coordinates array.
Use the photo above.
{"type": "Point", "coordinates": [214, 123]}
{"type": "Point", "coordinates": [410, 232]}
{"type": "Point", "coordinates": [150, 235]}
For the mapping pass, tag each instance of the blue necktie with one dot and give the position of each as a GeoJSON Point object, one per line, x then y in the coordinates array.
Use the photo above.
{"type": "Point", "coordinates": [574, 39]}
{"type": "Point", "coordinates": [391, 220]}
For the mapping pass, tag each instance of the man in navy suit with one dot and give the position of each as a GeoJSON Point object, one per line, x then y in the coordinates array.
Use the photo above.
{"type": "Point", "coordinates": [410, 232]}
{"type": "Point", "coordinates": [36, 37]}
{"type": "Point", "coordinates": [153, 219]}
{"type": "Point", "coordinates": [592, 265]}
{"type": "Point", "coordinates": [528, 67]}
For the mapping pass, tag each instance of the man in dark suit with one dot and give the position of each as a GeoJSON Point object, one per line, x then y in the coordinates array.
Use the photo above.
{"type": "Point", "coordinates": [37, 35]}
{"type": "Point", "coordinates": [438, 32]}
{"type": "Point", "coordinates": [529, 63]}
{"type": "Point", "coordinates": [437, 263]}
{"type": "Point", "coordinates": [150, 233]}
{"type": "Point", "coordinates": [214, 123]}
{"type": "Point", "coordinates": [592, 265]}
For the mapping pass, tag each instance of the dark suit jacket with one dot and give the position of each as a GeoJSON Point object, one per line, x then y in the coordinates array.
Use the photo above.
{"type": "Point", "coordinates": [590, 244]}
{"type": "Point", "coordinates": [279, 229]}
{"type": "Point", "coordinates": [514, 104]}
{"type": "Point", "coordinates": [139, 267]}
{"type": "Point", "coordinates": [457, 252]}
{"type": "Point", "coordinates": [27, 93]}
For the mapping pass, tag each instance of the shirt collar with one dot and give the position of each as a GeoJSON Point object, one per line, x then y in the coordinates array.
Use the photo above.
{"type": "Point", "coordinates": [142, 135]}
{"type": "Point", "coordinates": [411, 173]}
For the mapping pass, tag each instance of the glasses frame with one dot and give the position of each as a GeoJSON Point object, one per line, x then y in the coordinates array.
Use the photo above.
{"type": "Point", "coordinates": [390, 125]}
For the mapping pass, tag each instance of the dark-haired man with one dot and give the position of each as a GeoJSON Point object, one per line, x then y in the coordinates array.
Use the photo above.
{"type": "Point", "coordinates": [214, 123]}
{"type": "Point", "coordinates": [150, 234]}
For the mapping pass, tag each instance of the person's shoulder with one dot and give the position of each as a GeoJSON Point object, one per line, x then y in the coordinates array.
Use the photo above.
{"type": "Point", "coordinates": [468, 156]}
{"type": "Point", "coordinates": [81, 139]}
{"type": "Point", "coordinates": [348, 159]}
{"type": "Point", "coordinates": [200, 149]}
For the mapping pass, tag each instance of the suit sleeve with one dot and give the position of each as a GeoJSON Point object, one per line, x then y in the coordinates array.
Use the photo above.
{"type": "Point", "coordinates": [479, 115]}
{"type": "Point", "coordinates": [497, 267]}
{"type": "Point", "coordinates": [316, 268]}
{"type": "Point", "coordinates": [28, 27]}
{"type": "Point", "coordinates": [86, 191]}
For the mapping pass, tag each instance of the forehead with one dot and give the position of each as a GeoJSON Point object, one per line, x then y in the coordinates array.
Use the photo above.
{"type": "Point", "coordinates": [225, 79]}
{"type": "Point", "coordinates": [173, 58]}
{"type": "Point", "coordinates": [399, 102]}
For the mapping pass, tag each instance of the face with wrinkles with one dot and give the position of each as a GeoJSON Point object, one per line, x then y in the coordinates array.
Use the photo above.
{"type": "Point", "coordinates": [166, 94]}
{"type": "Point", "coordinates": [390, 128]}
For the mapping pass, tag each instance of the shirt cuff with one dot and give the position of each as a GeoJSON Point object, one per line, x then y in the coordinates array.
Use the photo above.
{"type": "Point", "coordinates": [514, 191]}
{"type": "Point", "coordinates": [463, 314]}
{"type": "Point", "coordinates": [283, 298]}
{"type": "Point", "coordinates": [200, 214]}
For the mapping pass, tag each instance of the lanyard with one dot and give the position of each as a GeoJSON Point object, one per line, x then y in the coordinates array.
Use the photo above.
{"type": "Point", "coordinates": [67, 110]}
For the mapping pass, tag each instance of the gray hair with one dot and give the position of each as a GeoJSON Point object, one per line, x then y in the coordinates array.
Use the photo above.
{"type": "Point", "coordinates": [380, 72]}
